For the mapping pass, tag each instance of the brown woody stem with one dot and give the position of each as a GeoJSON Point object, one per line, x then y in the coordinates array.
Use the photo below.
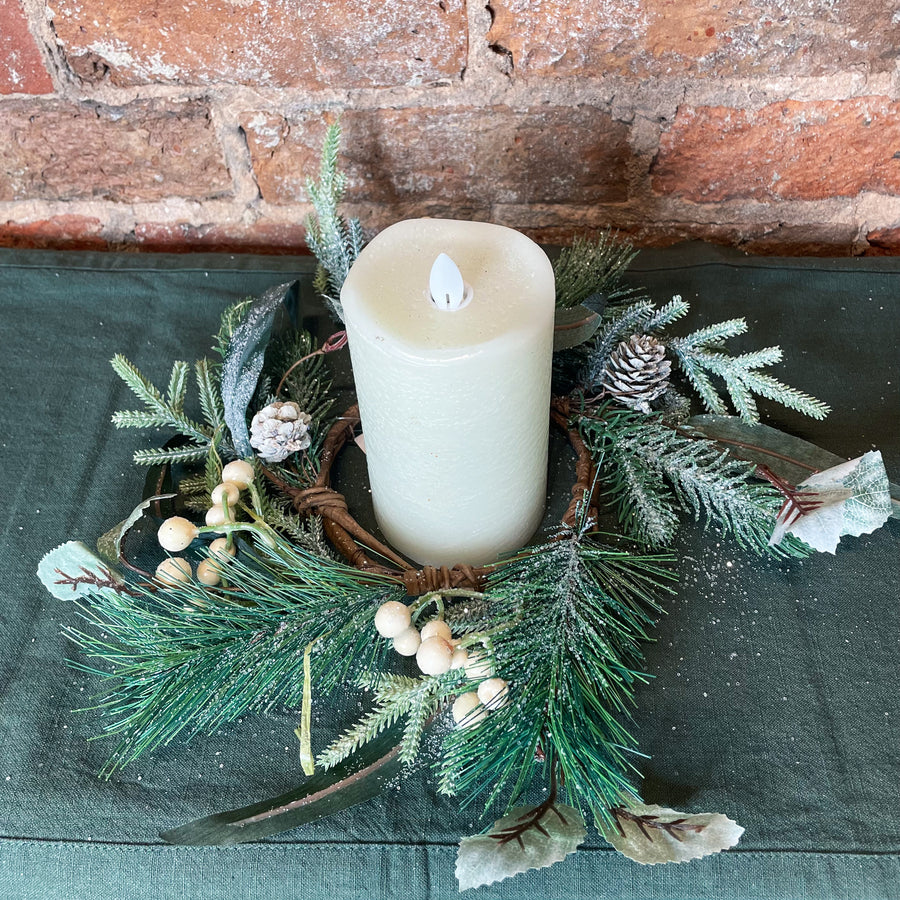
{"type": "Point", "coordinates": [352, 541]}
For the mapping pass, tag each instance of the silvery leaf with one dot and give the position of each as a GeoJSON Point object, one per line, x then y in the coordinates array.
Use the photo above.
{"type": "Point", "coordinates": [244, 362]}
{"type": "Point", "coordinates": [653, 834]}
{"type": "Point", "coordinates": [75, 560]}
{"type": "Point", "coordinates": [853, 498]}
{"type": "Point", "coordinates": [486, 858]}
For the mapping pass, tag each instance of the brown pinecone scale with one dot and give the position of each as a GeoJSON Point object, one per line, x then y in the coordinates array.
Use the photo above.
{"type": "Point", "coordinates": [637, 371]}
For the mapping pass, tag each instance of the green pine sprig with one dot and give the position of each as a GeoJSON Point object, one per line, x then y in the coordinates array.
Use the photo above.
{"type": "Point", "coordinates": [651, 473]}
{"type": "Point", "coordinates": [700, 355]}
{"type": "Point", "coordinates": [210, 398]}
{"type": "Point", "coordinates": [589, 270]}
{"type": "Point", "coordinates": [396, 697]}
{"type": "Point", "coordinates": [574, 613]}
{"type": "Point", "coordinates": [186, 659]}
{"type": "Point", "coordinates": [334, 240]}
{"type": "Point", "coordinates": [166, 412]}
{"type": "Point", "coordinates": [306, 532]}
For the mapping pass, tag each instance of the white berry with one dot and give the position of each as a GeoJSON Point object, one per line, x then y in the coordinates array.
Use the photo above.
{"type": "Point", "coordinates": [467, 710]}
{"type": "Point", "coordinates": [459, 659]}
{"type": "Point", "coordinates": [392, 618]}
{"type": "Point", "coordinates": [433, 656]}
{"type": "Point", "coordinates": [219, 548]}
{"type": "Point", "coordinates": [436, 628]}
{"type": "Point", "coordinates": [208, 572]}
{"type": "Point", "coordinates": [493, 693]}
{"type": "Point", "coordinates": [173, 570]}
{"type": "Point", "coordinates": [176, 534]}
{"type": "Point", "coordinates": [238, 472]}
{"type": "Point", "coordinates": [216, 516]}
{"type": "Point", "coordinates": [227, 489]}
{"type": "Point", "coordinates": [407, 642]}
{"type": "Point", "coordinates": [478, 666]}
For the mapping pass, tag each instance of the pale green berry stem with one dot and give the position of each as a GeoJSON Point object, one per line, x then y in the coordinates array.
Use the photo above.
{"type": "Point", "coordinates": [437, 597]}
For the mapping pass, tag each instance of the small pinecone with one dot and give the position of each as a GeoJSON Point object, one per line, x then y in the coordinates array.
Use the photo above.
{"type": "Point", "coordinates": [278, 430]}
{"type": "Point", "coordinates": [637, 371]}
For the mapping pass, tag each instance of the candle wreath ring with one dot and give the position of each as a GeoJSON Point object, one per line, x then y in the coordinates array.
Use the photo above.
{"type": "Point", "coordinates": [350, 539]}
{"type": "Point", "coordinates": [524, 670]}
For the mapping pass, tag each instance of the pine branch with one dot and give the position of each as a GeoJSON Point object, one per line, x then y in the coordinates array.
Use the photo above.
{"type": "Point", "coordinates": [644, 503]}
{"type": "Point", "coordinates": [671, 312]}
{"type": "Point", "coordinates": [154, 401]}
{"type": "Point", "coordinates": [187, 659]}
{"type": "Point", "coordinates": [179, 455]}
{"type": "Point", "coordinates": [702, 384]}
{"type": "Point", "coordinates": [177, 389]}
{"type": "Point", "coordinates": [396, 696]}
{"type": "Point", "coordinates": [193, 484]}
{"type": "Point", "coordinates": [334, 241]}
{"type": "Point", "coordinates": [586, 270]}
{"type": "Point", "coordinates": [576, 612]}
{"type": "Point", "coordinates": [772, 389]}
{"type": "Point", "coordinates": [306, 533]}
{"type": "Point", "coordinates": [650, 472]}
{"type": "Point", "coordinates": [161, 413]}
{"type": "Point", "coordinates": [138, 418]}
{"type": "Point", "coordinates": [700, 355]}
{"type": "Point", "coordinates": [210, 401]}
{"type": "Point", "coordinates": [714, 335]}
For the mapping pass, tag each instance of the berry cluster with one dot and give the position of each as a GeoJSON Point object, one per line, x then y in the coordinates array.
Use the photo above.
{"type": "Point", "coordinates": [437, 652]}
{"type": "Point", "coordinates": [177, 533]}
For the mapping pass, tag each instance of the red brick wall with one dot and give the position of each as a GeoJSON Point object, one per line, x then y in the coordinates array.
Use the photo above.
{"type": "Point", "coordinates": [774, 126]}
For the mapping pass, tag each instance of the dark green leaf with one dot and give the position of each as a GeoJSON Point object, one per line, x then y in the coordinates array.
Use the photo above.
{"type": "Point", "coordinates": [789, 457]}
{"type": "Point", "coordinates": [244, 362]}
{"type": "Point", "coordinates": [573, 327]}
{"type": "Point", "coordinates": [355, 781]}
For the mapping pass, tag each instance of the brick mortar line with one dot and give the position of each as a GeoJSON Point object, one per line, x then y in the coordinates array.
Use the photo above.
{"type": "Point", "coordinates": [649, 97]}
{"type": "Point", "coordinates": [847, 210]}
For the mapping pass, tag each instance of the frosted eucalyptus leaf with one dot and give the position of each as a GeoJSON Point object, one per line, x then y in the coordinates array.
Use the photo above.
{"type": "Point", "coordinates": [653, 834]}
{"type": "Point", "coordinates": [75, 560]}
{"type": "Point", "coordinates": [110, 544]}
{"type": "Point", "coordinates": [244, 362]}
{"type": "Point", "coordinates": [505, 851]}
{"type": "Point", "coordinates": [852, 498]}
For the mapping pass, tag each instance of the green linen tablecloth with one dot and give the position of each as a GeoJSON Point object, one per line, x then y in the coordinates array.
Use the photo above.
{"type": "Point", "coordinates": [775, 696]}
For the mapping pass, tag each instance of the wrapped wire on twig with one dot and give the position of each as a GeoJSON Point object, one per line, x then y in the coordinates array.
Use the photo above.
{"type": "Point", "coordinates": [356, 544]}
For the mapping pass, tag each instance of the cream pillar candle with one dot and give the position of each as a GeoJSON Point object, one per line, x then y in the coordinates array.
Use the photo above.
{"type": "Point", "coordinates": [454, 402]}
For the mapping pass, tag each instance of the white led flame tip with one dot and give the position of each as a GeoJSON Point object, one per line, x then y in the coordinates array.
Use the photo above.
{"type": "Point", "coordinates": [446, 286]}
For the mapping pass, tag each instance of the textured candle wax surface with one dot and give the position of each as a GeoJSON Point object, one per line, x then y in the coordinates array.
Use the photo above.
{"type": "Point", "coordinates": [454, 404]}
